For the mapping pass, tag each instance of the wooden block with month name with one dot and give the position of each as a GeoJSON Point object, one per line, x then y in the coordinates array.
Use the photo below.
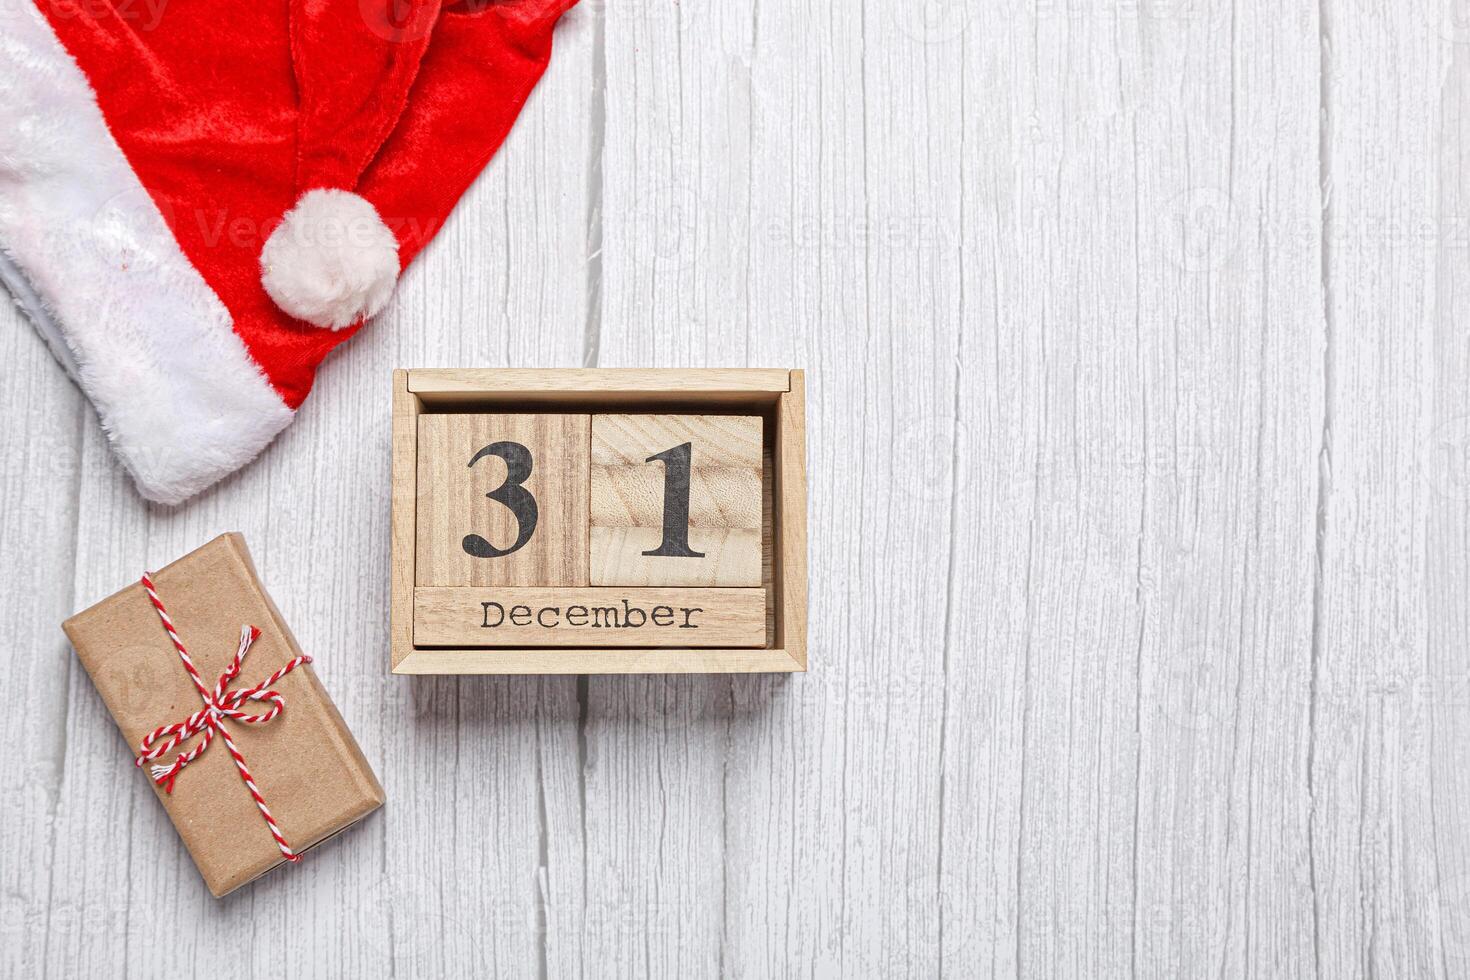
{"type": "Point", "coordinates": [676, 500]}
{"type": "Point", "coordinates": [609, 616]}
{"type": "Point", "coordinates": [502, 500]}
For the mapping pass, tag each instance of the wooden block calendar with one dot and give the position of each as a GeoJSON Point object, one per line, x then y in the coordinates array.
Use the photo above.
{"type": "Point", "coordinates": [598, 521]}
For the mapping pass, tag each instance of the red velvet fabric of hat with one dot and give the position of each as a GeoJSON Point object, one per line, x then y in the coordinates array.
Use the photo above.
{"type": "Point", "coordinates": [200, 199]}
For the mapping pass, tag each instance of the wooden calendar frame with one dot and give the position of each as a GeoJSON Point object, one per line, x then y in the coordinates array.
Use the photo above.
{"type": "Point", "coordinates": [777, 395]}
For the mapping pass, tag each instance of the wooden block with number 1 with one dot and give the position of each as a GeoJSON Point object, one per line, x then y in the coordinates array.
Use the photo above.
{"type": "Point", "coordinates": [502, 500]}
{"type": "Point", "coordinates": [676, 500]}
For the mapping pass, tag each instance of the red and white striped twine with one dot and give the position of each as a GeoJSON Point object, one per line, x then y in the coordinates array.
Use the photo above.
{"type": "Point", "coordinates": [219, 705]}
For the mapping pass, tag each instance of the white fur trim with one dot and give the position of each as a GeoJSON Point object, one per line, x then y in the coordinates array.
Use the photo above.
{"type": "Point", "coordinates": [331, 261]}
{"type": "Point", "coordinates": [152, 345]}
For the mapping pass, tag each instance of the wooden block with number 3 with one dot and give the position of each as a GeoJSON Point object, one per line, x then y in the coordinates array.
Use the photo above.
{"type": "Point", "coordinates": [502, 500]}
{"type": "Point", "coordinates": [676, 500]}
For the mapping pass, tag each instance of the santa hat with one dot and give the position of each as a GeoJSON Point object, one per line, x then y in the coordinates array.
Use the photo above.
{"type": "Point", "coordinates": [200, 198]}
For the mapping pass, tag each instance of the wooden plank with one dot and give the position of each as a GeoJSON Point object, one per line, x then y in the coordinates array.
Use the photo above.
{"type": "Point", "coordinates": [1387, 826]}
{"type": "Point", "coordinates": [42, 416]}
{"type": "Point", "coordinates": [1220, 411]}
{"type": "Point", "coordinates": [791, 481]}
{"type": "Point", "coordinates": [532, 530]}
{"type": "Point", "coordinates": [670, 661]}
{"type": "Point", "coordinates": [774, 265]}
{"type": "Point", "coordinates": [639, 537]}
{"type": "Point", "coordinates": [404, 474]}
{"type": "Point", "coordinates": [589, 617]}
{"type": "Point", "coordinates": [768, 539]}
{"type": "Point", "coordinates": [729, 137]}
{"type": "Point", "coordinates": [886, 513]}
{"type": "Point", "coordinates": [607, 383]}
{"type": "Point", "coordinates": [1430, 884]}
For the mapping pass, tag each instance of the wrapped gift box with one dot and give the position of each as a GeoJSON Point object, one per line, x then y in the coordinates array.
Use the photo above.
{"type": "Point", "coordinates": [304, 762]}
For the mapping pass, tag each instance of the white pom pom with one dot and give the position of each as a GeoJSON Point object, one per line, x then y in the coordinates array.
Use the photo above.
{"type": "Point", "coordinates": [331, 261]}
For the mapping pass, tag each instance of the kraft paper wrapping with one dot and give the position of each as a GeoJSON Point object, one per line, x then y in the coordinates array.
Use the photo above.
{"type": "Point", "coordinates": [306, 763]}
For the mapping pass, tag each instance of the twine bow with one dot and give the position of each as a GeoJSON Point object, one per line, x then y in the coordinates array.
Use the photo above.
{"type": "Point", "coordinates": [220, 705]}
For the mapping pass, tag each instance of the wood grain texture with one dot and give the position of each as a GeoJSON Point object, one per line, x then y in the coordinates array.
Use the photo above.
{"type": "Point", "coordinates": [39, 410]}
{"type": "Point", "coordinates": [590, 617]}
{"type": "Point", "coordinates": [599, 661]}
{"type": "Point", "coordinates": [1137, 386]}
{"type": "Point", "coordinates": [535, 533]}
{"type": "Point", "coordinates": [404, 519]}
{"type": "Point", "coordinates": [629, 498]}
{"type": "Point", "coordinates": [790, 482]}
{"type": "Point", "coordinates": [611, 384]}
{"type": "Point", "coordinates": [1387, 859]}
{"type": "Point", "coordinates": [1433, 719]}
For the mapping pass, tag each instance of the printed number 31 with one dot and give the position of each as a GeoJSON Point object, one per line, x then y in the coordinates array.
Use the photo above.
{"type": "Point", "coordinates": [522, 504]}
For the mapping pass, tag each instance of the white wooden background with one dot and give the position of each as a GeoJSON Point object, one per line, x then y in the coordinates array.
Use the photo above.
{"type": "Point", "coordinates": [1138, 348]}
